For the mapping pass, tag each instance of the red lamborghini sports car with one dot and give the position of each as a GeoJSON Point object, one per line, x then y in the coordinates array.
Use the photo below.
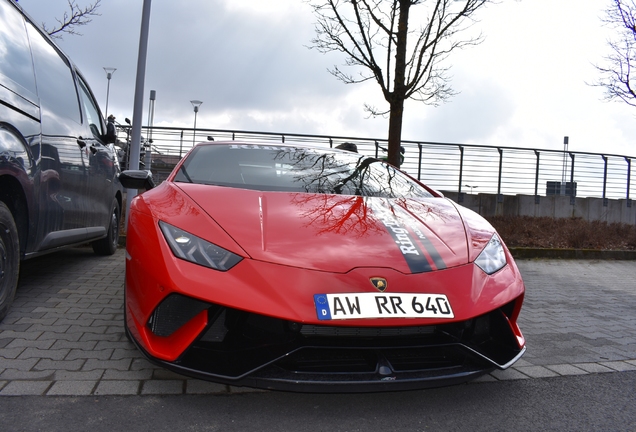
{"type": "Point", "coordinates": [311, 269]}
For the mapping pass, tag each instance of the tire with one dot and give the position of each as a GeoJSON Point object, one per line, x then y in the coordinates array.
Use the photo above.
{"type": "Point", "coordinates": [108, 245]}
{"type": "Point", "coordinates": [9, 259]}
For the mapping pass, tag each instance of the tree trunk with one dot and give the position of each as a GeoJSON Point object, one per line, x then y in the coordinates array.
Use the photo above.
{"type": "Point", "coordinates": [395, 131]}
{"type": "Point", "coordinates": [399, 89]}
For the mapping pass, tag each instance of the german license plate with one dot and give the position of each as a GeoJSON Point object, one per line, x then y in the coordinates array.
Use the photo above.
{"type": "Point", "coordinates": [382, 305]}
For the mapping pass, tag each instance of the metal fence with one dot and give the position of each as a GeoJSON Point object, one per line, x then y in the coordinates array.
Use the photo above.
{"type": "Point", "coordinates": [463, 168]}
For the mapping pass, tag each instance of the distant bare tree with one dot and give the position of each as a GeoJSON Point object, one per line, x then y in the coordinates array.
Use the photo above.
{"type": "Point", "coordinates": [73, 19]}
{"type": "Point", "coordinates": [617, 73]}
{"type": "Point", "coordinates": [398, 46]}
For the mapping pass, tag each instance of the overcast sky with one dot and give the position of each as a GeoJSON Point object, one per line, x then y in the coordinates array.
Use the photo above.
{"type": "Point", "coordinates": [248, 61]}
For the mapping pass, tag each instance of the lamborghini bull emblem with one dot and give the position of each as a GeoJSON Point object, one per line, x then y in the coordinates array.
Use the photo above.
{"type": "Point", "coordinates": [379, 283]}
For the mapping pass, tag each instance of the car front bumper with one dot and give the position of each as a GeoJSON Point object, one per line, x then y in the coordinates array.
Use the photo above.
{"type": "Point", "coordinates": [246, 349]}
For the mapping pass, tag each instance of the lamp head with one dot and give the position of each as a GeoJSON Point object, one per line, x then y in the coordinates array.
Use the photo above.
{"type": "Point", "coordinates": [196, 104]}
{"type": "Point", "coordinates": [109, 72]}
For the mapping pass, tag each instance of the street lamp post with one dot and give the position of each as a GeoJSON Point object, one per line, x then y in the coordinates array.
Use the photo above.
{"type": "Point", "coordinates": [196, 104]}
{"type": "Point", "coordinates": [109, 74]}
{"type": "Point", "coordinates": [151, 120]}
{"type": "Point", "coordinates": [471, 188]}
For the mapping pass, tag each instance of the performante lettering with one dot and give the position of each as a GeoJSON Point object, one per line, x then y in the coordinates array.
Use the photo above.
{"type": "Point", "coordinates": [255, 147]}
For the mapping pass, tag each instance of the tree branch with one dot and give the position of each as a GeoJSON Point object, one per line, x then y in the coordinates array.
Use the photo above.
{"type": "Point", "coordinates": [616, 76]}
{"type": "Point", "coordinates": [72, 19]}
{"type": "Point", "coordinates": [367, 30]}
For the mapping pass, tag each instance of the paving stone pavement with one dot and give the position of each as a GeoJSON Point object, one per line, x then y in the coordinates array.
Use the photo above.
{"type": "Point", "coordinates": [64, 334]}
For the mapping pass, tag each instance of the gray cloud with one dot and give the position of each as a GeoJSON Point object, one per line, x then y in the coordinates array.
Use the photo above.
{"type": "Point", "coordinates": [250, 65]}
{"type": "Point", "coordinates": [472, 116]}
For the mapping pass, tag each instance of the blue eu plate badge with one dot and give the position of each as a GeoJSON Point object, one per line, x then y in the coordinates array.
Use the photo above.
{"type": "Point", "coordinates": [322, 306]}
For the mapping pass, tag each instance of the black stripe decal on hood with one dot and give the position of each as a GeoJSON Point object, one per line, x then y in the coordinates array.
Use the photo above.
{"type": "Point", "coordinates": [415, 258]}
{"type": "Point", "coordinates": [428, 245]}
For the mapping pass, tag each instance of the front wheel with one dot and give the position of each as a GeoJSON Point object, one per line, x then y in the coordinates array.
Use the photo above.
{"type": "Point", "coordinates": [9, 259]}
{"type": "Point", "coordinates": [108, 245]}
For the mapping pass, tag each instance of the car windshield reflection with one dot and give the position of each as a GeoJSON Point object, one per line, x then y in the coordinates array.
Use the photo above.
{"type": "Point", "coordinates": [295, 169]}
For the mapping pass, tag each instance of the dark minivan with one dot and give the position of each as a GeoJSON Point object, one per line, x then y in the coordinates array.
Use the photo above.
{"type": "Point", "coordinates": [59, 183]}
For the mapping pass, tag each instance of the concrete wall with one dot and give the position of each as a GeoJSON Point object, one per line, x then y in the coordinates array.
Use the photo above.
{"type": "Point", "coordinates": [556, 206]}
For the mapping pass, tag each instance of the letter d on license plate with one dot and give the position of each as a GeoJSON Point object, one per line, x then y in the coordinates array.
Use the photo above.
{"type": "Point", "coordinates": [382, 305]}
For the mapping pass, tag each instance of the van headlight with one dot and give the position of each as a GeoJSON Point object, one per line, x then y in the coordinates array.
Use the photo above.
{"type": "Point", "coordinates": [196, 250]}
{"type": "Point", "coordinates": [493, 257]}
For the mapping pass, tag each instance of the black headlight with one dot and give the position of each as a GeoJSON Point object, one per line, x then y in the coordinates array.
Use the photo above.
{"type": "Point", "coordinates": [194, 249]}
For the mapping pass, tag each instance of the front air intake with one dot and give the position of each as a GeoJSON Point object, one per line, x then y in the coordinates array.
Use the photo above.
{"type": "Point", "coordinates": [173, 312]}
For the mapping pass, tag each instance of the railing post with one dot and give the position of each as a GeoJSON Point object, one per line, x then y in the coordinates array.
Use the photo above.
{"type": "Point", "coordinates": [499, 195]}
{"type": "Point", "coordinates": [460, 196]}
{"type": "Point", "coordinates": [537, 199]}
{"type": "Point", "coordinates": [629, 176]}
{"type": "Point", "coordinates": [376, 149]}
{"type": "Point", "coordinates": [605, 201]}
{"type": "Point", "coordinates": [181, 144]}
{"type": "Point", "coordinates": [419, 163]}
{"type": "Point", "coordinates": [572, 188]}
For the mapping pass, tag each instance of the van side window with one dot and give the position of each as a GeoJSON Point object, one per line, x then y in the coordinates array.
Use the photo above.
{"type": "Point", "coordinates": [15, 55]}
{"type": "Point", "coordinates": [91, 112]}
{"type": "Point", "coordinates": [56, 86]}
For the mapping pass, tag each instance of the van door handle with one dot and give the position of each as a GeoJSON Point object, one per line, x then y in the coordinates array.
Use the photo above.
{"type": "Point", "coordinates": [81, 142]}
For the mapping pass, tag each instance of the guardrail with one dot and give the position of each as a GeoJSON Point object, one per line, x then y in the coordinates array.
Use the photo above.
{"type": "Point", "coordinates": [462, 168]}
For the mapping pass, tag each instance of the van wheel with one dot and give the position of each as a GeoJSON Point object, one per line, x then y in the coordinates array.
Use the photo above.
{"type": "Point", "coordinates": [108, 245]}
{"type": "Point", "coordinates": [9, 259]}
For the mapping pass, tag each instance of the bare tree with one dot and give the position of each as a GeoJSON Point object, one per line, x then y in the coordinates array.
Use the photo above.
{"type": "Point", "coordinates": [617, 73]}
{"type": "Point", "coordinates": [400, 44]}
{"type": "Point", "coordinates": [76, 17]}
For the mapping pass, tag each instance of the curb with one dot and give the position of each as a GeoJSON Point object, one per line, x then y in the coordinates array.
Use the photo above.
{"type": "Point", "coordinates": [528, 253]}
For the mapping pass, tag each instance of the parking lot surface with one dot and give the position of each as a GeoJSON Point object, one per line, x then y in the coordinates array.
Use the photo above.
{"type": "Point", "coordinates": [64, 334]}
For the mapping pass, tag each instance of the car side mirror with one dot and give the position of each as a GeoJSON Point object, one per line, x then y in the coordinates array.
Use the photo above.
{"type": "Point", "coordinates": [136, 179]}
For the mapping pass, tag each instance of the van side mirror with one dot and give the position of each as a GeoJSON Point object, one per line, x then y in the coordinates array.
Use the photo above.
{"type": "Point", "coordinates": [136, 179]}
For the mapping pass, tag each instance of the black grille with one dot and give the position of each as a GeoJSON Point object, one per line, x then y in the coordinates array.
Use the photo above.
{"type": "Point", "coordinates": [365, 332]}
{"type": "Point", "coordinates": [173, 312]}
{"type": "Point", "coordinates": [341, 360]}
{"type": "Point", "coordinates": [217, 330]}
{"type": "Point", "coordinates": [312, 360]}
{"type": "Point", "coordinates": [424, 358]}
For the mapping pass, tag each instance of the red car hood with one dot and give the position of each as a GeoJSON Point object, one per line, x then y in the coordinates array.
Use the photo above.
{"type": "Point", "coordinates": [337, 233]}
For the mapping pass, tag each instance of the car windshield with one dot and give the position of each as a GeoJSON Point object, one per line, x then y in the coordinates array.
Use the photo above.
{"type": "Point", "coordinates": [295, 169]}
